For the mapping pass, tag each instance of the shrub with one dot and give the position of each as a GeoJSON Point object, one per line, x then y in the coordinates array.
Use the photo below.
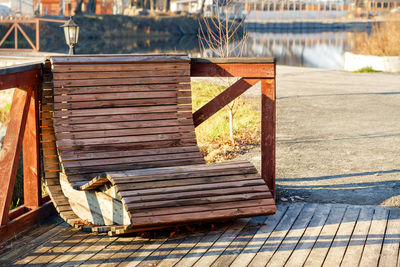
{"type": "Point", "coordinates": [384, 39]}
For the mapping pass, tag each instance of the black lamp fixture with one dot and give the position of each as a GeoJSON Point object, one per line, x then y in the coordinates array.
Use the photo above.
{"type": "Point", "coordinates": [71, 31]}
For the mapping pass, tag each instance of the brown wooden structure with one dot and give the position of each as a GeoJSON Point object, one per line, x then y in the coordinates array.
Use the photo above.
{"type": "Point", "coordinates": [22, 132]}
{"type": "Point", "coordinates": [118, 142]}
{"type": "Point", "coordinates": [15, 29]}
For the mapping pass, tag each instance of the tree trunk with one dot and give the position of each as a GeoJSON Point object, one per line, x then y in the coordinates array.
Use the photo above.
{"type": "Point", "coordinates": [230, 116]}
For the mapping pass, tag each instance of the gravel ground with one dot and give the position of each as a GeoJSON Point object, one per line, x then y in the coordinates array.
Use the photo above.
{"type": "Point", "coordinates": [338, 137]}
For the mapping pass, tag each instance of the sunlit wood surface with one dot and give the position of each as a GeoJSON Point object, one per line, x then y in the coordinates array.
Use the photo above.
{"type": "Point", "coordinates": [297, 235]}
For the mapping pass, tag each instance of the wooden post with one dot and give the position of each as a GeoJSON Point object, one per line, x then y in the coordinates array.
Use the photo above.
{"type": "Point", "coordinates": [32, 179]}
{"type": "Point", "coordinates": [268, 133]}
{"type": "Point", "coordinates": [37, 35]}
{"type": "Point", "coordinates": [15, 36]}
{"type": "Point", "coordinates": [11, 151]}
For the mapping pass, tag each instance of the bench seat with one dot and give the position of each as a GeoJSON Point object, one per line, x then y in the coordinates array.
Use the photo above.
{"type": "Point", "coordinates": [120, 148]}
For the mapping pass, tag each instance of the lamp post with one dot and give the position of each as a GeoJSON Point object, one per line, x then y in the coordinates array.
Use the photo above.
{"type": "Point", "coordinates": [71, 31]}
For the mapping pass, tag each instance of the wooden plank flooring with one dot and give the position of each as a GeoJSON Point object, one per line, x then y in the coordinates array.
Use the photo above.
{"type": "Point", "coordinates": [299, 234]}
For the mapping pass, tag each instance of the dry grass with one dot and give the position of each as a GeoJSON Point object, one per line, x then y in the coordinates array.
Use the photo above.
{"type": "Point", "coordinates": [213, 135]}
{"type": "Point", "coordinates": [384, 39]}
{"type": "Point", "coordinates": [5, 105]}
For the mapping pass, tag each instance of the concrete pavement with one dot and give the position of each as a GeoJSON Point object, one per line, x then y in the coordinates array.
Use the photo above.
{"type": "Point", "coordinates": [338, 136]}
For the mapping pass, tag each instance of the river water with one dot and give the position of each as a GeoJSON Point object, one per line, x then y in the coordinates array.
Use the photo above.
{"type": "Point", "coordinates": [324, 49]}
{"type": "Point", "coordinates": [308, 48]}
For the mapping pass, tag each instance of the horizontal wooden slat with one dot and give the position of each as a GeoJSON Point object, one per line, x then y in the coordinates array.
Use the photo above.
{"type": "Point", "coordinates": [120, 74]}
{"type": "Point", "coordinates": [130, 166]}
{"type": "Point", "coordinates": [233, 67]}
{"type": "Point", "coordinates": [21, 79]}
{"type": "Point", "coordinates": [121, 58]}
{"type": "Point", "coordinates": [121, 88]}
{"type": "Point", "coordinates": [140, 80]}
{"type": "Point", "coordinates": [233, 60]}
{"type": "Point", "coordinates": [125, 132]}
{"type": "Point", "coordinates": [116, 103]}
{"type": "Point", "coordinates": [128, 146]}
{"type": "Point", "coordinates": [131, 153]}
{"type": "Point", "coordinates": [197, 194]}
{"type": "Point", "coordinates": [124, 139]}
{"type": "Point", "coordinates": [111, 161]}
{"type": "Point", "coordinates": [184, 169]}
{"type": "Point", "coordinates": [114, 96]}
{"type": "Point", "coordinates": [197, 187]}
{"type": "Point", "coordinates": [202, 208]}
{"type": "Point", "coordinates": [119, 67]}
{"type": "Point", "coordinates": [181, 182]}
{"type": "Point", "coordinates": [203, 216]}
{"type": "Point", "coordinates": [197, 201]}
{"type": "Point", "coordinates": [94, 183]}
{"type": "Point", "coordinates": [116, 120]}
{"type": "Point", "coordinates": [115, 111]}
{"type": "Point", "coordinates": [206, 172]}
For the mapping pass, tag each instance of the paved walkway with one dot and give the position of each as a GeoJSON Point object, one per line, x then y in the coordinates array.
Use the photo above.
{"type": "Point", "coordinates": [338, 135]}
{"type": "Point", "coordinates": [297, 235]}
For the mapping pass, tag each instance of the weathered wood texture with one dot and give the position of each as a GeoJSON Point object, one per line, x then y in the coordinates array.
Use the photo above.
{"type": "Point", "coordinates": [193, 193]}
{"type": "Point", "coordinates": [268, 132]}
{"type": "Point", "coordinates": [49, 150]}
{"type": "Point", "coordinates": [146, 125]}
{"type": "Point", "coordinates": [31, 156]}
{"type": "Point", "coordinates": [126, 122]}
{"type": "Point", "coordinates": [297, 235]}
{"type": "Point", "coordinates": [22, 131]}
{"type": "Point", "coordinates": [20, 76]}
{"type": "Point", "coordinates": [233, 67]}
{"type": "Point", "coordinates": [11, 150]}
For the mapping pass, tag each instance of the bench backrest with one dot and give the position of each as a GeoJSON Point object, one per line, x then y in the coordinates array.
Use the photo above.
{"type": "Point", "coordinates": [115, 113]}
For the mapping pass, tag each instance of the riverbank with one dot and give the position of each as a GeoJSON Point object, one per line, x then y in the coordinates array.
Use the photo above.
{"type": "Point", "coordinates": [309, 26]}
{"type": "Point", "coordinates": [114, 34]}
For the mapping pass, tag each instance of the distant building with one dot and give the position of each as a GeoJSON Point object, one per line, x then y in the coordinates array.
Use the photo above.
{"type": "Point", "coordinates": [16, 7]}
{"type": "Point", "coordinates": [381, 5]}
{"type": "Point", "coordinates": [210, 7]}
{"type": "Point", "coordinates": [190, 6]}
{"type": "Point", "coordinates": [68, 7]}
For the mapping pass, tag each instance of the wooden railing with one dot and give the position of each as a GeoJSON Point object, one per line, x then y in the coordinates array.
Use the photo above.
{"type": "Point", "coordinates": [22, 134]}
{"type": "Point", "coordinates": [16, 27]}
{"type": "Point", "coordinates": [23, 130]}
{"type": "Point", "coordinates": [250, 71]}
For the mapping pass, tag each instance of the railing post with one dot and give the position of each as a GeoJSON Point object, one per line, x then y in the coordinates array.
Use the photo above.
{"type": "Point", "coordinates": [37, 35]}
{"type": "Point", "coordinates": [32, 179]}
{"type": "Point", "coordinates": [11, 150]}
{"type": "Point", "coordinates": [15, 36]}
{"type": "Point", "coordinates": [268, 119]}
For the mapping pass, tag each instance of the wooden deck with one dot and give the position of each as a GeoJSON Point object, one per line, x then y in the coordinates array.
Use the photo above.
{"type": "Point", "coordinates": [297, 235]}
